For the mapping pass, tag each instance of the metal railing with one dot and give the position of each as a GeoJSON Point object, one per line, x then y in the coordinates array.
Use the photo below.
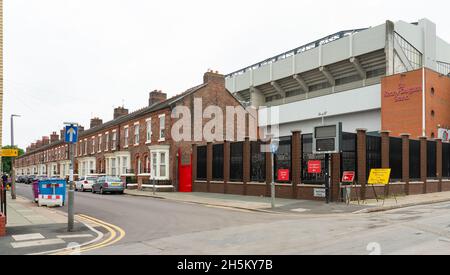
{"type": "Point", "coordinates": [323, 41]}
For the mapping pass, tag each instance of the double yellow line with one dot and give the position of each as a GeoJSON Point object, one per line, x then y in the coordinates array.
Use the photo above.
{"type": "Point", "coordinates": [115, 235]}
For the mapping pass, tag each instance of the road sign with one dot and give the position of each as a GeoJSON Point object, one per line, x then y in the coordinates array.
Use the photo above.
{"type": "Point", "coordinates": [314, 167]}
{"type": "Point", "coordinates": [379, 177]}
{"type": "Point", "coordinates": [283, 175]}
{"type": "Point", "coordinates": [348, 177]}
{"type": "Point", "coordinates": [71, 134]}
{"type": "Point", "coordinates": [9, 152]}
{"type": "Point", "coordinates": [274, 145]}
{"type": "Point", "coordinates": [320, 193]}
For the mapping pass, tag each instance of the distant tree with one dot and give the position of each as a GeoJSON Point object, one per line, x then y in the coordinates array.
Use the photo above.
{"type": "Point", "coordinates": [6, 161]}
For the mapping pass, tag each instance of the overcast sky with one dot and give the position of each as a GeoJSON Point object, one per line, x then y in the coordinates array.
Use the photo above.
{"type": "Point", "coordinates": [71, 60]}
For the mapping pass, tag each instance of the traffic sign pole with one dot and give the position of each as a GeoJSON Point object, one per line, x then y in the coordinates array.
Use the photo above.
{"type": "Point", "coordinates": [71, 137]}
{"type": "Point", "coordinates": [71, 196]}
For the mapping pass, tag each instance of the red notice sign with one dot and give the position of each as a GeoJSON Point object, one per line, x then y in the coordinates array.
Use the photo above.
{"type": "Point", "coordinates": [348, 177]}
{"type": "Point", "coordinates": [314, 167]}
{"type": "Point", "coordinates": [283, 175]}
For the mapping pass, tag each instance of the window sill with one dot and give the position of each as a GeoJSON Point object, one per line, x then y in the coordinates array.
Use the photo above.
{"type": "Point", "coordinates": [162, 140]}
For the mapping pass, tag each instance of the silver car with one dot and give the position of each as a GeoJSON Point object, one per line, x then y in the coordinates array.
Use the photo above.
{"type": "Point", "coordinates": [108, 184]}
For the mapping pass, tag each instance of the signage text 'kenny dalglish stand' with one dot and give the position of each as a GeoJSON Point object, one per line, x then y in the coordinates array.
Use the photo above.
{"type": "Point", "coordinates": [327, 140]}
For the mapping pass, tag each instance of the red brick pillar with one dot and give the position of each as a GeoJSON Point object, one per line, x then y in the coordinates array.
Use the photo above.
{"type": "Point", "coordinates": [439, 163]}
{"type": "Point", "coordinates": [268, 172]}
{"type": "Point", "coordinates": [405, 161]}
{"type": "Point", "coordinates": [362, 160]}
{"type": "Point", "coordinates": [423, 162]}
{"type": "Point", "coordinates": [226, 166]}
{"type": "Point", "coordinates": [209, 160]}
{"type": "Point", "coordinates": [385, 147]}
{"type": "Point", "coordinates": [2, 225]}
{"type": "Point", "coordinates": [296, 161]}
{"type": "Point", "coordinates": [247, 162]}
{"type": "Point", "coordinates": [194, 164]}
{"type": "Point", "coordinates": [335, 177]}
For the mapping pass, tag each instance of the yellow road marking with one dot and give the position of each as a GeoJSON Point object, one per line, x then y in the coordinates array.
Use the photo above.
{"type": "Point", "coordinates": [112, 239]}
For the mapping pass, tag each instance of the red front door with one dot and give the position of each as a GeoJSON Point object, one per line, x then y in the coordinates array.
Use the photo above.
{"type": "Point", "coordinates": [185, 172]}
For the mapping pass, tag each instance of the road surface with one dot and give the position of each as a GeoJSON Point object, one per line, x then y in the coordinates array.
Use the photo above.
{"type": "Point", "coordinates": [155, 226]}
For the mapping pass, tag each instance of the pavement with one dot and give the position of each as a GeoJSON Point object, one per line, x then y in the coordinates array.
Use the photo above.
{"type": "Point", "coordinates": [35, 230]}
{"type": "Point", "coordinates": [255, 204]}
{"type": "Point", "coordinates": [397, 202]}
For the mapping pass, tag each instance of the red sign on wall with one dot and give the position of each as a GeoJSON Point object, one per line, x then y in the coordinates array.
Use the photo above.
{"type": "Point", "coordinates": [314, 167]}
{"type": "Point", "coordinates": [283, 175]}
{"type": "Point", "coordinates": [348, 177]}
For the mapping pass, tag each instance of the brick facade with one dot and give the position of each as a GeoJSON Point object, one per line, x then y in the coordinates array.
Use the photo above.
{"type": "Point", "coordinates": [97, 152]}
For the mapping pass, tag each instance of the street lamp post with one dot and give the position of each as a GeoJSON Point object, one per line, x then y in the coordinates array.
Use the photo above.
{"type": "Point", "coordinates": [13, 174]}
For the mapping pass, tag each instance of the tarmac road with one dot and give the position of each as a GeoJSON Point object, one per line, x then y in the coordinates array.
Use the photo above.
{"type": "Point", "coordinates": [156, 226]}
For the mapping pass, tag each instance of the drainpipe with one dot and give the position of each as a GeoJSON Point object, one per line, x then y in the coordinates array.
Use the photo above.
{"type": "Point", "coordinates": [424, 129]}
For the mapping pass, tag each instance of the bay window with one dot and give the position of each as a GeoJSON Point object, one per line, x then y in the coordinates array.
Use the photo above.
{"type": "Point", "coordinates": [160, 163]}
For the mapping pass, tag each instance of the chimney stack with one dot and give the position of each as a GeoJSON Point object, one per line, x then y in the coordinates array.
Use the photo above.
{"type": "Point", "coordinates": [156, 97]}
{"type": "Point", "coordinates": [38, 144]}
{"type": "Point", "coordinates": [62, 134]}
{"type": "Point", "coordinates": [54, 137]}
{"type": "Point", "coordinates": [95, 122]}
{"type": "Point", "coordinates": [45, 141]}
{"type": "Point", "coordinates": [80, 129]}
{"type": "Point", "coordinates": [120, 112]}
{"type": "Point", "coordinates": [213, 77]}
{"type": "Point", "coordinates": [33, 146]}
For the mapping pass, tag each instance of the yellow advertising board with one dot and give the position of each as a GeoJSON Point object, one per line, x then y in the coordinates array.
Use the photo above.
{"type": "Point", "coordinates": [9, 152]}
{"type": "Point", "coordinates": [379, 177]}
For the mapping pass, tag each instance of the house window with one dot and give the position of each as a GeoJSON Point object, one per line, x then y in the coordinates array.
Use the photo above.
{"type": "Point", "coordinates": [113, 167]}
{"type": "Point", "coordinates": [162, 127]}
{"type": "Point", "coordinates": [136, 134]}
{"type": "Point", "coordinates": [160, 164]}
{"type": "Point", "coordinates": [126, 136]}
{"type": "Point", "coordinates": [107, 142]}
{"type": "Point", "coordinates": [124, 165]}
{"type": "Point", "coordinates": [149, 131]}
{"type": "Point", "coordinates": [100, 143]}
{"type": "Point", "coordinates": [93, 145]}
{"type": "Point", "coordinates": [85, 147]}
{"type": "Point", "coordinates": [114, 141]}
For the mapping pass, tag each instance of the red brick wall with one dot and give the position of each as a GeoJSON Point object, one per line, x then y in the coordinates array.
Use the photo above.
{"type": "Point", "coordinates": [2, 225]}
{"type": "Point", "coordinates": [403, 113]}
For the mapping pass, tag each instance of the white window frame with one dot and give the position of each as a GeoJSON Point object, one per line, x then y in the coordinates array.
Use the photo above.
{"type": "Point", "coordinates": [149, 131]}
{"type": "Point", "coordinates": [114, 140]}
{"type": "Point", "coordinates": [85, 147]}
{"type": "Point", "coordinates": [100, 143]}
{"type": "Point", "coordinates": [156, 174]}
{"type": "Point", "coordinates": [106, 141]}
{"type": "Point", "coordinates": [126, 136]}
{"type": "Point", "coordinates": [93, 145]}
{"type": "Point", "coordinates": [136, 136]}
{"type": "Point", "coordinates": [162, 128]}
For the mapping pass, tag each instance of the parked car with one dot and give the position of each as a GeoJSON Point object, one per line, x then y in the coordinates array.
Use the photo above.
{"type": "Point", "coordinates": [108, 184]}
{"type": "Point", "coordinates": [30, 179]}
{"type": "Point", "coordinates": [85, 183]}
{"type": "Point", "coordinates": [21, 179]}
